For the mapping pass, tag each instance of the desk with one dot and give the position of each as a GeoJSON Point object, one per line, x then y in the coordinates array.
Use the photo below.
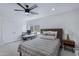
{"type": "Point", "coordinates": [26, 37]}
{"type": "Point", "coordinates": [31, 35]}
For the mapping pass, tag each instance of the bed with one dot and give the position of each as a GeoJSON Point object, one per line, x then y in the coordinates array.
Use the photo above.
{"type": "Point", "coordinates": [42, 47]}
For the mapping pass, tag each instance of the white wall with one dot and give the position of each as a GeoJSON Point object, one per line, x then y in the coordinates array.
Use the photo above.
{"type": "Point", "coordinates": [69, 21]}
{"type": "Point", "coordinates": [0, 28]}
{"type": "Point", "coordinates": [11, 28]}
{"type": "Point", "coordinates": [0, 31]}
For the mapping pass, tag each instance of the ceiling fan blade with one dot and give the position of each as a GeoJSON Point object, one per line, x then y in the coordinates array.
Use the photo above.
{"type": "Point", "coordinates": [34, 6]}
{"type": "Point", "coordinates": [33, 12]}
{"type": "Point", "coordinates": [18, 10]}
{"type": "Point", "coordinates": [21, 6]}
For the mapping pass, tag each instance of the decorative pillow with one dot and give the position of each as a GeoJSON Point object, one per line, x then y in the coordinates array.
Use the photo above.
{"type": "Point", "coordinates": [46, 32]}
{"type": "Point", "coordinates": [47, 37]}
{"type": "Point", "coordinates": [50, 33]}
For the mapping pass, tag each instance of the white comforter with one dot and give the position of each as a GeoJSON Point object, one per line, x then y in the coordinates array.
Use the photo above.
{"type": "Point", "coordinates": [39, 47]}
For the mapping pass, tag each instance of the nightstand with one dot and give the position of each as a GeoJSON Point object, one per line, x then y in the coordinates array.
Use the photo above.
{"type": "Point", "coordinates": [69, 43]}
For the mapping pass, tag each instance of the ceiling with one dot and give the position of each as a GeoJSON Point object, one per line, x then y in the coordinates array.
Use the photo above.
{"type": "Point", "coordinates": [7, 9]}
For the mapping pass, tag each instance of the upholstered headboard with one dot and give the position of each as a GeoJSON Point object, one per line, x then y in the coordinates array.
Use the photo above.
{"type": "Point", "coordinates": [59, 32]}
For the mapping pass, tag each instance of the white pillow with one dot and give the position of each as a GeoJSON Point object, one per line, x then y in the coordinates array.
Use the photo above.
{"type": "Point", "coordinates": [46, 32]}
{"type": "Point", "coordinates": [51, 33]}
{"type": "Point", "coordinates": [47, 37]}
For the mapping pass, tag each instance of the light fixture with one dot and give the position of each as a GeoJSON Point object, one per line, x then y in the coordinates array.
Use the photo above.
{"type": "Point", "coordinates": [53, 9]}
{"type": "Point", "coordinates": [26, 13]}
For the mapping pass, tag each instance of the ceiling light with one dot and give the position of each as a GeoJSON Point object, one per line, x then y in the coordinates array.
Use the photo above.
{"type": "Point", "coordinates": [53, 9]}
{"type": "Point", "coordinates": [26, 13]}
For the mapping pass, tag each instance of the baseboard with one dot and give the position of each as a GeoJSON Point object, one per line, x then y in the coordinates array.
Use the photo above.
{"type": "Point", "coordinates": [9, 42]}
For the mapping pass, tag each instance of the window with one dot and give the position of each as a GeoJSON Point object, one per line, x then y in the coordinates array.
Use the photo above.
{"type": "Point", "coordinates": [35, 28]}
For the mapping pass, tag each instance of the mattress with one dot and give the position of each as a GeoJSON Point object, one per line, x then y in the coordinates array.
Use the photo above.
{"type": "Point", "coordinates": [39, 47]}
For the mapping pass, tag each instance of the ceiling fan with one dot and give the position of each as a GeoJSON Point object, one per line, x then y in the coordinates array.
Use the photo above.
{"type": "Point", "coordinates": [27, 9]}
